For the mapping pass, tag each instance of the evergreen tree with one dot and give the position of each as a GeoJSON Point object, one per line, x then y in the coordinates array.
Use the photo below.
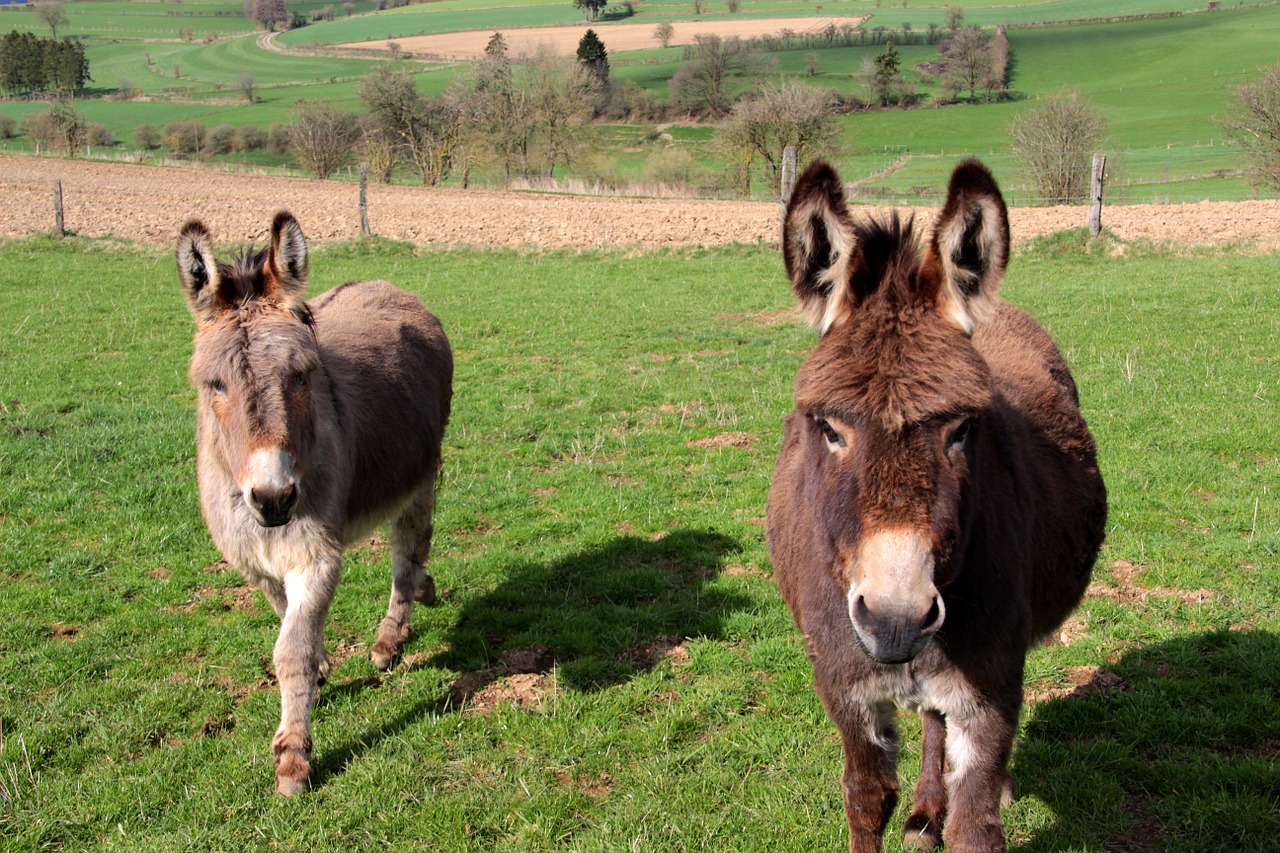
{"type": "Point", "coordinates": [593, 56]}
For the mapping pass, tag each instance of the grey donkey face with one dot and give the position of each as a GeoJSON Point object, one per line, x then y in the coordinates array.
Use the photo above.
{"type": "Point", "coordinates": [254, 361]}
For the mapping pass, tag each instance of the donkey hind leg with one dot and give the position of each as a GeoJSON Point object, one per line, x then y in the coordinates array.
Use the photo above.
{"type": "Point", "coordinates": [870, 772]}
{"type": "Point", "coordinates": [978, 750]}
{"type": "Point", "coordinates": [299, 660]}
{"type": "Point", "coordinates": [410, 549]}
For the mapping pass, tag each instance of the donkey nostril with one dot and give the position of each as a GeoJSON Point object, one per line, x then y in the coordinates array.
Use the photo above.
{"type": "Point", "coordinates": [290, 498]}
{"type": "Point", "coordinates": [933, 619]}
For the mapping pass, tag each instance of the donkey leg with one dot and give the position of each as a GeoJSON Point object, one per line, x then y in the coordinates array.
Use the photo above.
{"type": "Point", "coordinates": [870, 772]}
{"type": "Point", "coordinates": [299, 659]}
{"type": "Point", "coordinates": [410, 549]}
{"type": "Point", "coordinates": [978, 749]}
{"type": "Point", "coordinates": [923, 830]}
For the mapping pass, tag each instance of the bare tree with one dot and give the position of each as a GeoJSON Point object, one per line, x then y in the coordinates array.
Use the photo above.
{"type": "Point", "coordinates": [268, 13]}
{"type": "Point", "coordinates": [969, 61]}
{"type": "Point", "coordinates": [561, 97]}
{"type": "Point", "coordinates": [247, 84]}
{"type": "Point", "coordinates": [1055, 142]}
{"type": "Point", "coordinates": [765, 124]}
{"type": "Point", "coordinates": [322, 137]}
{"type": "Point", "coordinates": [664, 32]}
{"type": "Point", "coordinates": [428, 128]}
{"type": "Point", "coordinates": [1254, 125]}
{"type": "Point", "coordinates": [705, 82]}
{"type": "Point", "coordinates": [379, 149]}
{"type": "Point", "coordinates": [954, 17]}
{"type": "Point", "coordinates": [52, 14]}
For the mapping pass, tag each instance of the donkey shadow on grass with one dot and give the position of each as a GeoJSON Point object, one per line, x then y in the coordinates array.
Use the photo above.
{"type": "Point", "coordinates": [1175, 747]}
{"type": "Point", "coordinates": [598, 618]}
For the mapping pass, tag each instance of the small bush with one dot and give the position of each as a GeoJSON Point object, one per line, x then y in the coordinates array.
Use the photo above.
{"type": "Point", "coordinates": [100, 136]}
{"type": "Point", "coordinates": [8, 127]}
{"type": "Point", "coordinates": [250, 137]}
{"type": "Point", "coordinates": [184, 137]}
{"type": "Point", "coordinates": [278, 138]}
{"type": "Point", "coordinates": [220, 140]}
{"type": "Point", "coordinates": [146, 136]}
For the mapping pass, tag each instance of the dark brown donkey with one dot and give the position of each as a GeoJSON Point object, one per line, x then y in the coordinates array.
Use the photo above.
{"type": "Point", "coordinates": [937, 505]}
{"type": "Point", "coordinates": [316, 421]}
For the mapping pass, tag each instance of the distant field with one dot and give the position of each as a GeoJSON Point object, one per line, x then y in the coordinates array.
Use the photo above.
{"type": "Point", "coordinates": [1160, 83]}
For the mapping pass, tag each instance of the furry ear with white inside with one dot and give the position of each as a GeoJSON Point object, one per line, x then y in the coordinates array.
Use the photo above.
{"type": "Point", "coordinates": [198, 270]}
{"type": "Point", "coordinates": [819, 247]}
{"type": "Point", "coordinates": [286, 268]}
{"type": "Point", "coordinates": [971, 242]}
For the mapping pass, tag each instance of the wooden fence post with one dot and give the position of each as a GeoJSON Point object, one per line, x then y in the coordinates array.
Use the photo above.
{"type": "Point", "coordinates": [364, 199]}
{"type": "Point", "coordinates": [1095, 193]}
{"type": "Point", "coordinates": [58, 221]}
{"type": "Point", "coordinates": [787, 186]}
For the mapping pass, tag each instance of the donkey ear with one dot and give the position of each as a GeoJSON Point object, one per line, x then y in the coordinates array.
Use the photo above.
{"type": "Point", "coordinates": [971, 242]}
{"type": "Point", "coordinates": [286, 268]}
{"type": "Point", "coordinates": [819, 247]}
{"type": "Point", "coordinates": [198, 270]}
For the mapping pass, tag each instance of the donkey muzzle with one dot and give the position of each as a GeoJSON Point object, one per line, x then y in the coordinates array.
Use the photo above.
{"type": "Point", "coordinates": [270, 488]}
{"type": "Point", "coordinates": [894, 607]}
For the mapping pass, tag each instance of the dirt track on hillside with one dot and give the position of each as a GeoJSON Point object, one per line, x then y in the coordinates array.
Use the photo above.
{"type": "Point", "coordinates": [616, 36]}
{"type": "Point", "coordinates": [149, 204]}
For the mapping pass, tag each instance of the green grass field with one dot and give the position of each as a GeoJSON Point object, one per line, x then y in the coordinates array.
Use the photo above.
{"type": "Point", "coordinates": [616, 419]}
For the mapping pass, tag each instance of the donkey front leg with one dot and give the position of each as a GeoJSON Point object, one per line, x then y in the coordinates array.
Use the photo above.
{"type": "Point", "coordinates": [300, 663]}
{"type": "Point", "coordinates": [923, 830]}
{"type": "Point", "coordinates": [410, 550]}
{"type": "Point", "coordinates": [978, 749]}
{"type": "Point", "coordinates": [870, 771]}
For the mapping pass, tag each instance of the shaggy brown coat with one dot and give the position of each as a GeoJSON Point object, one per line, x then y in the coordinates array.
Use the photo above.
{"type": "Point", "coordinates": [937, 504]}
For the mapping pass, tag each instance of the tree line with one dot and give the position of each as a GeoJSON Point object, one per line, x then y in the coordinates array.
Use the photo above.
{"type": "Point", "coordinates": [31, 65]}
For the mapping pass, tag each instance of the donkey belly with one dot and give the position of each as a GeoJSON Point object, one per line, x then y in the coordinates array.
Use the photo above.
{"type": "Point", "coordinates": [391, 375]}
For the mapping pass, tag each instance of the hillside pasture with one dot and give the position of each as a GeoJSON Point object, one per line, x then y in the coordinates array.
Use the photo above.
{"type": "Point", "coordinates": [610, 666]}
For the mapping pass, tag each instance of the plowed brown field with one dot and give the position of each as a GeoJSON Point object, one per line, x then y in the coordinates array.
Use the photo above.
{"type": "Point", "coordinates": [150, 203]}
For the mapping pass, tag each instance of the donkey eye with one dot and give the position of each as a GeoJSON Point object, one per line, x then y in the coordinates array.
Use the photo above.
{"type": "Point", "coordinates": [217, 386]}
{"type": "Point", "coordinates": [961, 434]}
{"type": "Point", "coordinates": [298, 379]}
{"type": "Point", "coordinates": [828, 432]}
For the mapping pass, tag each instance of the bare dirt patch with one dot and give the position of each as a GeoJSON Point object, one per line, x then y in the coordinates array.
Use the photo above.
{"type": "Point", "coordinates": [1126, 589]}
{"type": "Point", "coordinates": [150, 203]}
{"type": "Point", "coordinates": [1083, 681]}
{"type": "Point", "coordinates": [741, 440]}
{"type": "Point", "coordinates": [617, 37]}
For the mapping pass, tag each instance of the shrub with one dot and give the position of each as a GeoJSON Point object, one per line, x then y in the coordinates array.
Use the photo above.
{"type": "Point", "coordinates": [1254, 125]}
{"type": "Point", "coordinates": [220, 140]}
{"type": "Point", "coordinates": [8, 127]}
{"type": "Point", "coordinates": [1055, 142]}
{"type": "Point", "coordinates": [146, 136]}
{"type": "Point", "coordinates": [100, 136]}
{"type": "Point", "coordinates": [250, 137]}
{"type": "Point", "coordinates": [278, 138]}
{"type": "Point", "coordinates": [184, 137]}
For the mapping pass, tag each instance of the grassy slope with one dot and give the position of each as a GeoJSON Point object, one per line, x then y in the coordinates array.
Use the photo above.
{"type": "Point", "coordinates": [576, 514]}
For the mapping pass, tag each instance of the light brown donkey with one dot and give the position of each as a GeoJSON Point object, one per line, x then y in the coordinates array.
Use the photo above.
{"type": "Point", "coordinates": [937, 505]}
{"type": "Point", "coordinates": [316, 421]}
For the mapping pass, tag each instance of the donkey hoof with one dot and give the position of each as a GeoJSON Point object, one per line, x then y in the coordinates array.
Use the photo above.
{"type": "Point", "coordinates": [382, 656]}
{"type": "Point", "coordinates": [921, 833]}
{"type": "Point", "coordinates": [427, 595]}
{"type": "Point", "coordinates": [291, 787]}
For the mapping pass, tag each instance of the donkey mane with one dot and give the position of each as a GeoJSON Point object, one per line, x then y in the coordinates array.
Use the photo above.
{"type": "Point", "coordinates": [243, 282]}
{"type": "Point", "coordinates": [888, 249]}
